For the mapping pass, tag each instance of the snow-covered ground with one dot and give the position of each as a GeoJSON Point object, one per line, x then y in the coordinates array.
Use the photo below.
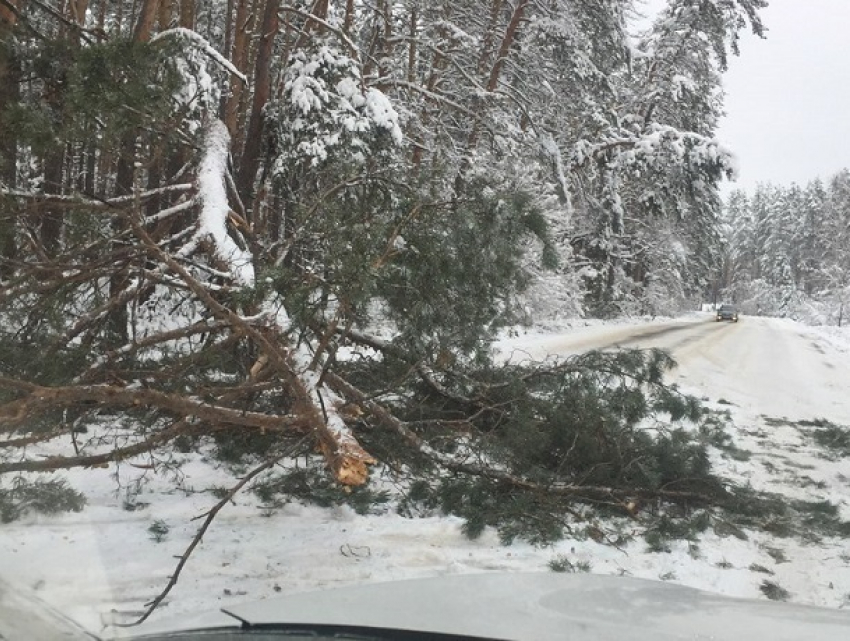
{"type": "Point", "coordinates": [102, 564]}
{"type": "Point", "coordinates": [762, 366]}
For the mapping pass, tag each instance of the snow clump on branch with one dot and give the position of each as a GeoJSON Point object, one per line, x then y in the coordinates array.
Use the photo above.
{"type": "Point", "coordinates": [198, 94]}
{"type": "Point", "coordinates": [212, 193]}
{"type": "Point", "coordinates": [326, 107]}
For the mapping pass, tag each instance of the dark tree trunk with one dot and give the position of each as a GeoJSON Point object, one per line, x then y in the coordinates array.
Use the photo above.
{"type": "Point", "coordinates": [147, 19]}
{"type": "Point", "coordinates": [50, 221]}
{"type": "Point", "coordinates": [9, 92]}
{"type": "Point", "coordinates": [262, 87]}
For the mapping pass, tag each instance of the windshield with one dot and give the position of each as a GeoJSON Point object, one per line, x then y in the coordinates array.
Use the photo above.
{"type": "Point", "coordinates": [304, 295]}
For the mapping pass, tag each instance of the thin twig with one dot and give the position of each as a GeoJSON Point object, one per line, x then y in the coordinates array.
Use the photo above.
{"type": "Point", "coordinates": [209, 517]}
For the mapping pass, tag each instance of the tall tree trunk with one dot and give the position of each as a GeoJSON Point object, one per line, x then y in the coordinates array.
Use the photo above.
{"type": "Point", "coordinates": [101, 22]}
{"type": "Point", "coordinates": [125, 174]}
{"type": "Point", "coordinates": [84, 158]}
{"type": "Point", "coordinates": [489, 35]}
{"type": "Point", "coordinates": [411, 51]}
{"type": "Point", "coordinates": [51, 218]}
{"type": "Point", "coordinates": [78, 11]}
{"type": "Point", "coordinates": [438, 65]}
{"type": "Point", "coordinates": [187, 14]}
{"type": "Point", "coordinates": [320, 10]}
{"type": "Point", "coordinates": [262, 87]}
{"type": "Point", "coordinates": [508, 41]}
{"type": "Point", "coordinates": [385, 46]}
{"type": "Point", "coordinates": [118, 318]}
{"type": "Point", "coordinates": [165, 15]}
{"type": "Point", "coordinates": [118, 17]}
{"type": "Point", "coordinates": [9, 91]}
{"type": "Point", "coordinates": [349, 16]}
{"type": "Point", "coordinates": [147, 19]}
{"type": "Point", "coordinates": [242, 28]}
{"type": "Point", "coordinates": [228, 53]}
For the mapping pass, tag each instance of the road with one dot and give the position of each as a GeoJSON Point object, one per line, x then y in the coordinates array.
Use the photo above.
{"type": "Point", "coordinates": [761, 366]}
{"type": "Point", "coordinates": [765, 366]}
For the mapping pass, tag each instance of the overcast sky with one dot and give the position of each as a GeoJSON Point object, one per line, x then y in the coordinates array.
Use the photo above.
{"type": "Point", "coordinates": [788, 96]}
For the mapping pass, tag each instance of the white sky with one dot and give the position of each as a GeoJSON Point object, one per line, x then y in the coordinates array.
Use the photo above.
{"type": "Point", "coordinates": [788, 96]}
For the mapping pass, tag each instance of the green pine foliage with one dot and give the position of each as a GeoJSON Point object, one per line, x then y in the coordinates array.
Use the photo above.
{"type": "Point", "coordinates": [445, 275]}
{"type": "Point", "coordinates": [106, 90]}
{"type": "Point", "coordinates": [158, 531]}
{"type": "Point", "coordinates": [774, 591]}
{"type": "Point", "coordinates": [42, 496]}
{"type": "Point", "coordinates": [455, 281]}
{"type": "Point", "coordinates": [833, 438]}
{"type": "Point", "coordinates": [123, 85]}
{"type": "Point", "coordinates": [600, 420]}
{"type": "Point", "coordinates": [784, 517]}
{"type": "Point", "coordinates": [310, 485]}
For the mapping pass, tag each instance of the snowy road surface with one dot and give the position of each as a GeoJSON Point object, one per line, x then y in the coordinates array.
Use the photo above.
{"type": "Point", "coordinates": [102, 564]}
{"type": "Point", "coordinates": [765, 366]}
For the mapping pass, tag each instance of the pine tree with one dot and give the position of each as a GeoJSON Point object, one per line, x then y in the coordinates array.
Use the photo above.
{"type": "Point", "coordinates": [790, 248]}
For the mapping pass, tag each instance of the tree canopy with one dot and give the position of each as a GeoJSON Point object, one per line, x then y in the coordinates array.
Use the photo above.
{"type": "Point", "coordinates": [787, 249]}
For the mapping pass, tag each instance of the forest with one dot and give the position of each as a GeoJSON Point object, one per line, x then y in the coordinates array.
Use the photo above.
{"type": "Point", "coordinates": [787, 250]}
{"type": "Point", "coordinates": [277, 230]}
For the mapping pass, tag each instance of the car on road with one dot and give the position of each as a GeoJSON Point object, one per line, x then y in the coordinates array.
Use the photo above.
{"type": "Point", "coordinates": [728, 313]}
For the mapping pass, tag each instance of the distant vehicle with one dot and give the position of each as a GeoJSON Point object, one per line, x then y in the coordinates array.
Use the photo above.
{"type": "Point", "coordinates": [727, 312]}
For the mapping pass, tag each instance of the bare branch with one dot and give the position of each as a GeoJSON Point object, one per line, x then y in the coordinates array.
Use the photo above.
{"type": "Point", "coordinates": [52, 463]}
{"type": "Point", "coordinates": [41, 398]}
{"type": "Point", "coordinates": [199, 41]}
{"type": "Point", "coordinates": [209, 518]}
{"type": "Point", "coordinates": [78, 200]}
{"type": "Point", "coordinates": [203, 327]}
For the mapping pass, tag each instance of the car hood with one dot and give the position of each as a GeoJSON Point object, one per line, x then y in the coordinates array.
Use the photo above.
{"type": "Point", "coordinates": [539, 606]}
{"type": "Point", "coordinates": [25, 616]}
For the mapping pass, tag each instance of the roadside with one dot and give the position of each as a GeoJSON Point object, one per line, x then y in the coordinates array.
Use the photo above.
{"type": "Point", "coordinates": [103, 564]}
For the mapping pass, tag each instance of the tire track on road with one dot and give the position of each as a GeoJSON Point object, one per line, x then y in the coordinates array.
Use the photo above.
{"type": "Point", "coordinates": [624, 337]}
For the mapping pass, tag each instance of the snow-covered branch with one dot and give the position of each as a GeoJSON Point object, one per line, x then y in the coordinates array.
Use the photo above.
{"type": "Point", "coordinates": [75, 200]}
{"type": "Point", "coordinates": [199, 41]}
{"type": "Point", "coordinates": [212, 192]}
{"type": "Point", "coordinates": [659, 145]}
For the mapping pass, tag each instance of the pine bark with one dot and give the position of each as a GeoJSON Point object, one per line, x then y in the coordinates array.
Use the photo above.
{"type": "Point", "coordinates": [9, 93]}
{"type": "Point", "coordinates": [262, 88]}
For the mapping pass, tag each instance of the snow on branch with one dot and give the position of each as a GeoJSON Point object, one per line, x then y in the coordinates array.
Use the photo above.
{"type": "Point", "coordinates": [552, 151]}
{"type": "Point", "coordinates": [77, 199]}
{"type": "Point", "coordinates": [212, 193]}
{"type": "Point", "coordinates": [346, 458]}
{"type": "Point", "coordinates": [325, 107]}
{"type": "Point", "coordinates": [658, 146]}
{"type": "Point", "coordinates": [202, 43]}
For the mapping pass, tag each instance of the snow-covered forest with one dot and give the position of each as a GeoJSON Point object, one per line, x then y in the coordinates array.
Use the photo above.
{"type": "Point", "coordinates": [254, 183]}
{"type": "Point", "coordinates": [574, 150]}
{"type": "Point", "coordinates": [788, 250]}
{"type": "Point", "coordinates": [268, 245]}
{"type": "Point", "coordinates": [280, 237]}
